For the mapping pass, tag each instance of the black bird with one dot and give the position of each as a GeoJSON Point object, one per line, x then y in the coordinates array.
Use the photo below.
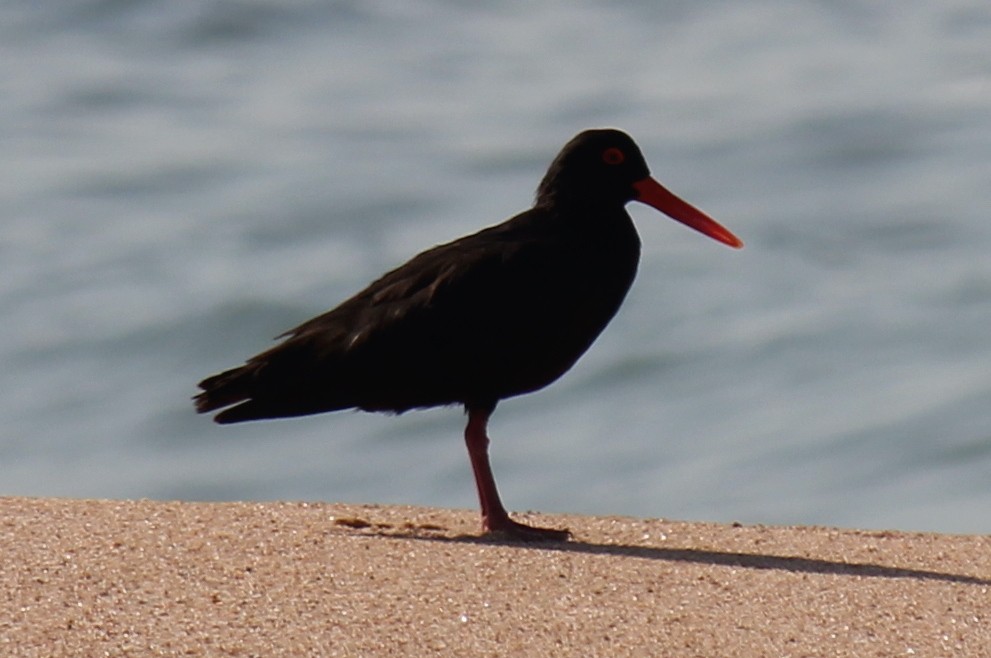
{"type": "Point", "coordinates": [499, 313]}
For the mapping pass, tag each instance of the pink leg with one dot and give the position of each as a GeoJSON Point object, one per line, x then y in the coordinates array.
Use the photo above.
{"type": "Point", "coordinates": [495, 519]}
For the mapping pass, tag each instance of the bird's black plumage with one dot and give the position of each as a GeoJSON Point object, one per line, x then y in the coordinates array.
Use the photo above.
{"type": "Point", "coordinates": [495, 314]}
{"type": "Point", "coordinates": [501, 312]}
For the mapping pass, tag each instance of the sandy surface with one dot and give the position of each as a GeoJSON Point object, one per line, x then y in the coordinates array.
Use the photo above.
{"type": "Point", "coordinates": [139, 578]}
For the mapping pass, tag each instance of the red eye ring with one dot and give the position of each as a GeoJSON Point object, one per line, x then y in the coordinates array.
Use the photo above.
{"type": "Point", "coordinates": [613, 156]}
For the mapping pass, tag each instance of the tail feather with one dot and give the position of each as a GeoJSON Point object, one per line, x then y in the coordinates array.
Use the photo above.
{"type": "Point", "coordinates": [247, 410]}
{"type": "Point", "coordinates": [265, 409]}
{"type": "Point", "coordinates": [222, 390]}
{"type": "Point", "coordinates": [248, 396]}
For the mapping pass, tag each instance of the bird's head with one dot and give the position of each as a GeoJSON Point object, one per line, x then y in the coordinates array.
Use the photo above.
{"type": "Point", "coordinates": [605, 167]}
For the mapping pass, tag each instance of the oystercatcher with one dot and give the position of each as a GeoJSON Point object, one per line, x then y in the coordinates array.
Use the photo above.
{"type": "Point", "coordinates": [492, 315]}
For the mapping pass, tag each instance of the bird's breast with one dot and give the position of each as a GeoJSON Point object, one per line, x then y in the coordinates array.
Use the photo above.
{"type": "Point", "coordinates": [550, 314]}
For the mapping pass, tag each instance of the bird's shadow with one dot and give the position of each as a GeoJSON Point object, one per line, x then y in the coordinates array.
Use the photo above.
{"type": "Point", "coordinates": [691, 555]}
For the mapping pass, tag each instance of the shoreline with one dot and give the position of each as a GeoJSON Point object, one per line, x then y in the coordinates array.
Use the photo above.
{"type": "Point", "coordinates": [84, 577]}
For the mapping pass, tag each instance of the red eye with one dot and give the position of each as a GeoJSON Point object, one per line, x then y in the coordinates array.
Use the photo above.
{"type": "Point", "coordinates": [613, 156]}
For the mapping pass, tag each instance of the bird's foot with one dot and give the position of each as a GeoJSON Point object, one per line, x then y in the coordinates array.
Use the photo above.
{"type": "Point", "coordinates": [509, 529]}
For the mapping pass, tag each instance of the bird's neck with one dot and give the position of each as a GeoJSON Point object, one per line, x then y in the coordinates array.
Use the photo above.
{"type": "Point", "coordinates": [585, 211]}
{"type": "Point", "coordinates": [569, 203]}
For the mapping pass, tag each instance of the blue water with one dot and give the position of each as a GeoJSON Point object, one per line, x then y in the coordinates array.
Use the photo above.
{"type": "Point", "coordinates": [182, 181]}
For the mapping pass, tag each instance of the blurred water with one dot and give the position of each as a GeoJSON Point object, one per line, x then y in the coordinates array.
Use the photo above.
{"type": "Point", "coordinates": [182, 181]}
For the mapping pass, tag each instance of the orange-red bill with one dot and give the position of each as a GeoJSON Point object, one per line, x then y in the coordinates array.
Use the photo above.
{"type": "Point", "coordinates": [654, 194]}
